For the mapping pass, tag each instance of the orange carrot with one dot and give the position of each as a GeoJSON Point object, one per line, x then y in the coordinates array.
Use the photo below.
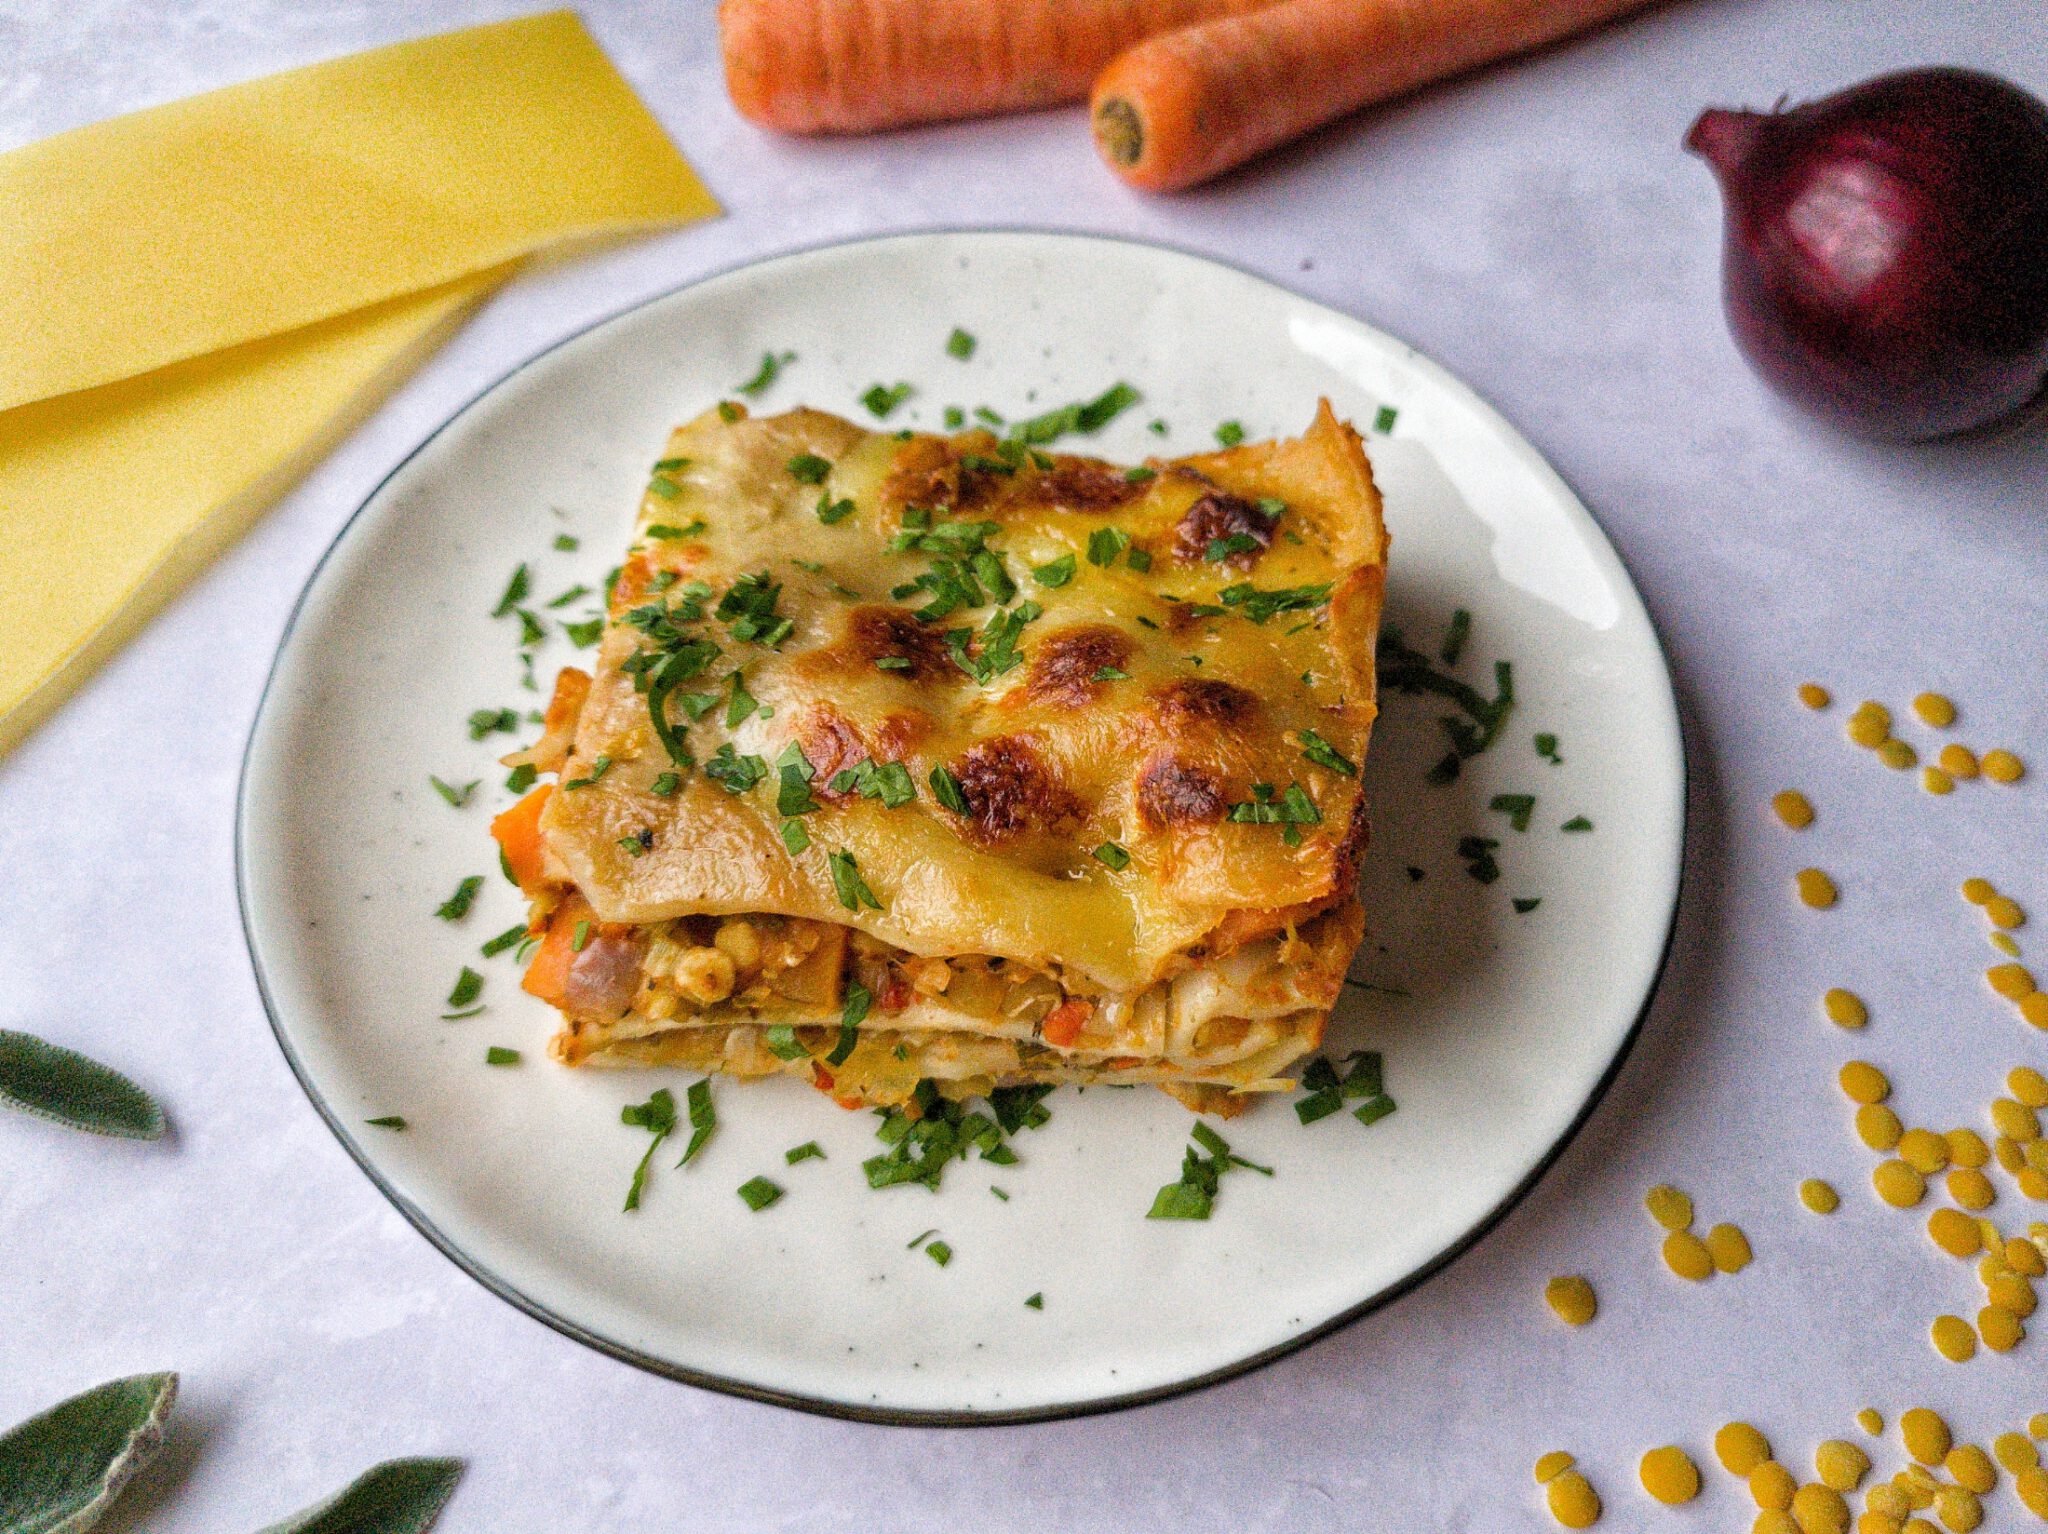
{"type": "Point", "coordinates": [1063, 1023]}
{"type": "Point", "coordinates": [850, 66]}
{"type": "Point", "coordinates": [1179, 108]}
{"type": "Point", "coordinates": [518, 834]}
{"type": "Point", "coordinates": [547, 976]}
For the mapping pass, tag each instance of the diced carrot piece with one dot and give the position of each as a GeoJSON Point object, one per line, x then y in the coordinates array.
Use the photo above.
{"type": "Point", "coordinates": [518, 834]}
{"type": "Point", "coordinates": [548, 975]}
{"type": "Point", "coordinates": [1062, 1025]}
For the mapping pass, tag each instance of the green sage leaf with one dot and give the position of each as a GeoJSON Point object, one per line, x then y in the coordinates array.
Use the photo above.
{"type": "Point", "coordinates": [60, 1471]}
{"type": "Point", "coordinates": [400, 1496]}
{"type": "Point", "coordinates": [56, 1083]}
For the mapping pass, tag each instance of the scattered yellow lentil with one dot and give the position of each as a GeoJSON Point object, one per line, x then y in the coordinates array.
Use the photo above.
{"type": "Point", "coordinates": [1919, 1483]}
{"type": "Point", "coordinates": [1898, 1184]}
{"type": "Point", "coordinates": [1840, 1464]}
{"type": "Point", "coordinates": [1971, 1468]}
{"type": "Point", "coordinates": [1687, 1256]}
{"type": "Point", "coordinates": [1793, 808]}
{"type": "Point", "coordinates": [2036, 1152]}
{"type": "Point", "coordinates": [2037, 1425]}
{"type": "Point", "coordinates": [2034, 1009]}
{"type": "Point", "coordinates": [1935, 781]}
{"type": "Point", "coordinates": [1971, 1188]}
{"type": "Point", "coordinates": [2001, 1330]}
{"type": "Point", "coordinates": [1977, 891]}
{"type": "Point", "coordinates": [2033, 1182]}
{"type": "Point", "coordinates": [2012, 981]}
{"type": "Point", "coordinates": [1870, 724]}
{"type": "Point", "coordinates": [2003, 942]}
{"type": "Point", "coordinates": [1845, 1009]}
{"type": "Point", "coordinates": [1897, 755]}
{"type": "Point", "coordinates": [1819, 1196]}
{"type": "Point", "coordinates": [1669, 1475]}
{"type": "Point", "coordinates": [1816, 888]}
{"type": "Point", "coordinates": [2002, 766]}
{"type": "Point", "coordinates": [1878, 1127]}
{"type": "Point", "coordinates": [1954, 1232]}
{"type": "Point", "coordinates": [1958, 760]}
{"type": "Point", "coordinates": [1919, 1525]}
{"type": "Point", "coordinates": [1863, 1082]}
{"type": "Point", "coordinates": [1669, 1207]}
{"type": "Point", "coordinates": [1966, 1148]}
{"type": "Point", "coordinates": [2015, 1120]}
{"type": "Point", "coordinates": [1552, 1465]}
{"type": "Point", "coordinates": [2032, 1486]}
{"type": "Point", "coordinates": [1572, 1297]}
{"type": "Point", "coordinates": [2016, 1452]}
{"type": "Point", "coordinates": [2028, 1086]}
{"type": "Point", "coordinates": [1926, 1435]}
{"type": "Point", "coordinates": [1924, 1151]}
{"type": "Point", "coordinates": [1573, 1502]}
{"type": "Point", "coordinates": [1771, 1486]}
{"type": "Point", "coordinates": [1819, 1509]}
{"type": "Point", "coordinates": [1773, 1521]}
{"type": "Point", "coordinates": [2012, 1293]}
{"type": "Point", "coordinates": [1953, 1339]}
{"type": "Point", "coordinates": [2004, 912]}
{"type": "Point", "coordinates": [1888, 1499]}
{"type": "Point", "coordinates": [1871, 1420]}
{"type": "Point", "coordinates": [1935, 711]}
{"type": "Point", "coordinates": [1740, 1448]}
{"type": "Point", "coordinates": [1959, 1508]}
{"type": "Point", "coordinates": [1813, 695]}
{"type": "Point", "coordinates": [1993, 1242]}
{"type": "Point", "coordinates": [1729, 1248]}
{"type": "Point", "coordinates": [1879, 1523]}
{"type": "Point", "coordinates": [2010, 1153]}
{"type": "Point", "coordinates": [2025, 1258]}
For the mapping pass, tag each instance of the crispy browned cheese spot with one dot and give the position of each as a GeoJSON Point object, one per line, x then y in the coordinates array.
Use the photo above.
{"type": "Point", "coordinates": [1197, 701]}
{"type": "Point", "coordinates": [831, 743]}
{"type": "Point", "coordinates": [1064, 664]}
{"type": "Point", "coordinates": [1081, 484]}
{"type": "Point", "coordinates": [929, 472]}
{"type": "Point", "coordinates": [893, 633]}
{"type": "Point", "coordinates": [1173, 792]}
{"type": "Point", "coordinates": [1217, 515]}
{"type": "Point", "coordinates": [1010, 790]}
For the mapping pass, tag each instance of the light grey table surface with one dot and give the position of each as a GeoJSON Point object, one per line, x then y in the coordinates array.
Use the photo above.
{"type": "Point", "coordinates": [1537, 230]}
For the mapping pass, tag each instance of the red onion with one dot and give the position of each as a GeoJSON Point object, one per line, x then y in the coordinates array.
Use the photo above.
{"type": "Point", "coordinates": [1887, 249]}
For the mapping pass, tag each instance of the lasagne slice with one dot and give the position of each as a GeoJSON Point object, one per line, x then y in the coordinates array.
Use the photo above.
{"type": "Point", "coordinates": [912, 757]}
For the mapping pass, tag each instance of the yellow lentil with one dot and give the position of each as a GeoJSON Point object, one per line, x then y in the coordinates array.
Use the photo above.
{"type": "Point", "coordinates": [1669, 1207]}
{"type": "Point", "coordinates": [1924, 1151]}
{"type": "Point", "coordinates": [1920, 1525]}
{"type": "Point", "coordinates": [2003, 942]}
{"type": "Point", "coordinates": [2002, 766]}
{"type": "Point", "coordinates": [1819, 1509]}
{"type": "Point", "coordinates": [1845, 1009]}
{"type": "Point", "coordinates": [1552, 1465]}
{"type": "Point", "coordinates": [1992, 1266]}
{"type": "Point", "coordinates": [1897, 755]}
{"type": "Point", "coordinates": [1669, 1475]}
{"type": "Point", "coordinates": [1813, 695]}
{"type": "Point", "coordinates": [1863, 1082]}
{"type": "Point", "coordinates": [1888, 1499]}
{"type": "Point", "coordinates": [2028, 1086]}
{"type": "Point", "coordinates": [1935, 711]}
{"type": "Point", "coordinates": [1898, 1184]}
{"type": "Point", "coordinates": [2033, 1182]}
{"type": "Point", "coordinates": [1772, 1486]}
{"type": "Point", "coordinates": [2037, 1425]}
{"type": "Point", "coordinates": [1572, 1297]}
{"type": "Point", "coordinates": [1841, 1464]}
{"type": "Point", "coordinates": [1935, 781]}
{"type": "Point", "coordinates": [1953, 1339]}
{"type": "Point", "coordinates": [2032, 1486]}
{"type": "Point", "coordinates": [1819, 1196]}
{"type": "Point", "coordinates": [1926, 1435]}
{"type": "Point", "coordinates": [1954, 1232]}
{"type": "Point", "coordinates": [2015, 1120]}
{"type": "Point", "coordinates": [1959, 1508]}
{"type": "Point", "coordinates": [2025, 1258]}
{"type": "Point", "coordinates": [2016, 1452]}
{"type": "Point", "coordinates": [1816, 888]}
{"type": "Point", "coordinates": [1729, 1248]}
{"type": "Point", "coordinates": [1971, 1468]}
{"type": "Point", "coordinates": [1870, 724]}
{"type": "Point", "coordinates": [2010, 1153]}
{"type": "Point", "coordinates": [1871, 1420]}
{"type": "Point", "coordinates": [2036, 1153]}
{"type": "Point", "coordinates": [1878, 1127]}
{"type": "Point", "coordinates": [1919, 1483]}
{"type": "Point", "coordinates": [1878, 1523]}
{"type": "Point", "coordinates": [1687, 1256]}
{"type": "Point", "coordinates": [1740, 1448]}
{"type": "Point", "coordinates": [1573, 1502]}
{"type": "Point", "coordinates": [1971, 1188]}
{"type": "Point", "coordinates": [1966, 1148]}
{"type": "Point", "coordinates": [2004, 912]}
{"type": "Point", "coordinates": [1958, 760]}
{"type": "Point", "coordinates": [2001, 1330]}
{"type": "Point", "coordinates": [2034, 1008]}
{"type": "Point", "coordinates": [2012, 1293]}
{"type": "Point", "coordinates": [1793, 807]}
{"type": "Point", "coordinates": [1977, 891]}
{"type": "Point", "coordinates": [2012, 981]}
{"type": "Point", "coordinates": [1993, 1241]}
{"type": "Point", "coordinates": [1773, 1521]}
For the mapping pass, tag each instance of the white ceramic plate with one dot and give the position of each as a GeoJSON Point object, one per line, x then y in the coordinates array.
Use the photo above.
{"type": "Point", "coordinates": [1499, 1028]}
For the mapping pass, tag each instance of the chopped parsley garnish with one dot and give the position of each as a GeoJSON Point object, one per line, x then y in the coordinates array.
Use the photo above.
{"type": "Point", "coordinates": [457, 905]}
{"type": "Point", "coordinates": [795, 837]}
{"type": "Point", "coordinates": [456, 796]}
{"type": "Point", "coordinates": [1139, 560]}
{"type": "Point", "coordinates": [1157, 428]}
{"type": "Point", "coordinates": [497, 1054]}
{"type": "Point", "coordinates": [531, 630]}
{"type": "Point", "coordinates": [568, 596]}
{"type": "Point", "coordinates": [851, 888]}
{"type": "Point", "coordinates": [758, 1193]}
{"type": "Point", "coordinates": [893, 663]}
{"type": "Point", "coordinates": [668, 490]}
{"type": "Point", "coordinates": [1230, 433]}
{"type": "Point", "coordinates": [733, 772]}
{"type": "Point", "coordinates": [1105, 544]}
{"type": "Point", "coordinates": [1035, 1302]}
{"type": "Point", "coordinates": [1455, 635]}
{"type": "Point", "coordinates": [516, 591]}
{"type": "Point", "coordinates": [1258, 605]}
{"type": "Point", "coordinates": [638, 844]}
{"type": "Point", "coordinates": [959, 344]}
{"type": "Point", "coordinates": [830, 511]}
{"type": "Point", "coordinates": [1524, 904]}
{"type": "Point", "coordinates": [703, 1119]}
{"type": "Point", "coordinates": [1293, 808]}
{"type": "Point", "coordinates": [468, 986]}
{"type": "Point", "coordinates": [1082, 416]}
{"type": "Point", "coordinates": [946, 789]}
{"type": "Point", "coordinates": [728, 412]}
{"type": "Point", "coordinates": [988, 418]}
{"type": "Point", "coordinates": [890, 782]}
{"type": "Point", "coordinates": [1546, 747]}
{"type": "Point", "coordinates": [665, 784]}
{"type": "Point", "coordinates": [771, 367]}
{"type": "Point", "coordinates": [939, 1253]}
{"type": "Point", "coordinates": [1476, 853]}
{"type": "Point", "coordinates": [809, 469]}
{"type": "Point", "coordinates": [880, 401]}
{"type": "Point", "coordinates": [1325, 1091]}
{"type": "Point", "coordinates": [936, 1131]}
{"type": "Point", "coordinates": [511, 937]}
{"type": "Point", "coordinates": [520, 778]}
{"type": "Point", "coordinates": [740, 704]}
{"type": "Point", "coordinates": [1577, 823]}
{"type": "Point", "coordinates": [1517, 807]}
{"type": "Point", "coordinates": [810, 1150]}
{"type": "Point", "coordinates": [579, 937]}
{"type": "Point", "coordinates": [1057, 573]}
{"type": "Point", "coordinates": [1272, 508]}
{"type": "Point", "coordinates": [658, 1116]}
{"type": "Point", "coordinates": [1325, 755]}
{"type": "Point", "coordinates": [1409, 671]}
{"type": "Point", "coordinates": [783, 1043]}
{"type": "Point", "coordinates": [488, 721]}
{"type": "Point", "coordinates": [387, 1121]}
{"type": "Point", "coordinates": [998, 651]}
{"type": "Point", "coordinates": [598, 769]}
{"type": "Point", "coordinates": [1110, 855]}
{"type": "Point", "coordinates": [1140, 475]}
{"type": "Point", "coordinates": [1373, 1111]}
{"type": "Point", "coordinates": [1221, 549]}
{"type": "Point", "coordinates": [793, 797]}
{"type": "Point", "coordinates": [858, 999]}
{"type": "Point", "coordinates": [1110, 674]}
{"type": "Point", "coordinates": [1194, 1196]}
{"type": "Point", "coordinates": [664, 531]}
{"type": "Point", "coordinates": [955, 418]}
{"type": "Point", "coordinates": [567, 543]}
{"type": "Point", "coordinates": [1384, 418]}
{"type": "Point", "coordinates": [748, 608]}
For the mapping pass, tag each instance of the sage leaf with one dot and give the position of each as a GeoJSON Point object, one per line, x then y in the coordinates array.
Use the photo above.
{"type": "Point", "coordinates": [400, 1496]}
{"type": "Point", "coordinates": [56, 1083]}
{"type": "Point", "coordinates": [60, 1471]}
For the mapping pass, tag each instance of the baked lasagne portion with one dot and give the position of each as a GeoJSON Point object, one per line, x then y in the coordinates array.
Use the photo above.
{"type": "Point", "coordinates": [914, 757]}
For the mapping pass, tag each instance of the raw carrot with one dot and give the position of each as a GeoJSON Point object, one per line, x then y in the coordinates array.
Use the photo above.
{"type": "Point", "coordinates": [518, 834]}
{"type": "Point", "coordinates": [850, 66]}
{"type": "Point", "coordinates": [1179, 108]}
